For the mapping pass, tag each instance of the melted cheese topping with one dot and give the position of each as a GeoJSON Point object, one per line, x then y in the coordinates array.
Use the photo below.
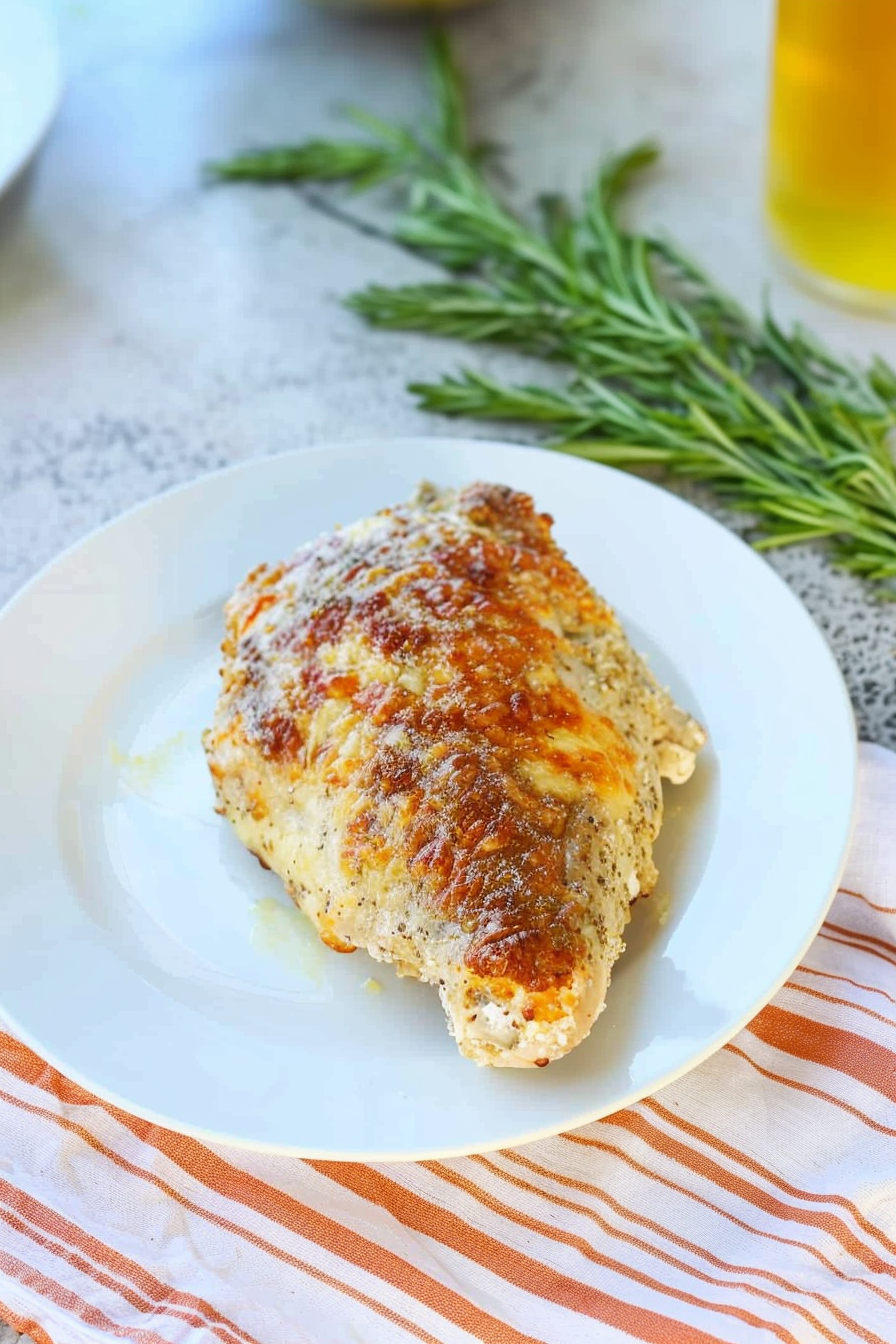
{"type": "Point", "coordinates": [415, 658]}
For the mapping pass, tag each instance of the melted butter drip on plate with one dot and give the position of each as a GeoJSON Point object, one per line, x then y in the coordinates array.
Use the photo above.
{"type": "Point", "coordinates": [141, 772]}
{"type": "Point", "coordinates": [283, 932]}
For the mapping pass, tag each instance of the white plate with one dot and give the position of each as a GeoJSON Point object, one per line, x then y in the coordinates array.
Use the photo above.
{"type": "Point", "coordinates": [150, 958]}
{"type": "Point", "coordinates": [30, 82]}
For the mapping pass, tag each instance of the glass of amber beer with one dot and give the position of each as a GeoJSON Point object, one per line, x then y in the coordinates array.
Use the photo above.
{"type": "Point", "coordinates": [832, 146]}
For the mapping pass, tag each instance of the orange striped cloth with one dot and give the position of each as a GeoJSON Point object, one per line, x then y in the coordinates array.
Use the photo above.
{"type": "Point", "coordinates": [753, 1200]}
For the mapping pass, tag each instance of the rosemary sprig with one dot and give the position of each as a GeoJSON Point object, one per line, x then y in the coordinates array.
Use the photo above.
{"type": "Point", "coordinates": [667, 370]}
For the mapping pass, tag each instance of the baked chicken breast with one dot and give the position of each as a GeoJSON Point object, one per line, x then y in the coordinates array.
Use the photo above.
{"type": "Point", "coordinates": [439, 738]}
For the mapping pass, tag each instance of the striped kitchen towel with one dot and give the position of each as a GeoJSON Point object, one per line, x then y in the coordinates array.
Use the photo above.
{"type": "Point", "coordinates": [755, 1199]}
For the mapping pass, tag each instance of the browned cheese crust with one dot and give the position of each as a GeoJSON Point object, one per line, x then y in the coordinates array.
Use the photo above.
{"type": "Point", "coordinates": [436, 733]}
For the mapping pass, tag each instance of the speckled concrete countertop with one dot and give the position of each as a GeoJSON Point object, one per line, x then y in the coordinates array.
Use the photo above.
{"type": "Point", "coordinates": [152, 329]}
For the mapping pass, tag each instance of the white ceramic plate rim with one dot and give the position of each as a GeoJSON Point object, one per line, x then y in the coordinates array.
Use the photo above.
{"type": "Point", "coordinates": [777, 975]}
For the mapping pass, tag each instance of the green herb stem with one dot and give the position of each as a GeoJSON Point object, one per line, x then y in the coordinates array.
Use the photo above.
{"type": "Point", "coordinates": [667, 370]}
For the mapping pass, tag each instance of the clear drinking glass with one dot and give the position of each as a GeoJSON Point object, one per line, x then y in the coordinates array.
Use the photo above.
{"type": "Point", "coordinates": [831, 191]}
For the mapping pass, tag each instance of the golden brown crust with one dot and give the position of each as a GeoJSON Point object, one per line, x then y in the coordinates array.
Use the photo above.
{"type": "Point", "coordinates": [469, 727]}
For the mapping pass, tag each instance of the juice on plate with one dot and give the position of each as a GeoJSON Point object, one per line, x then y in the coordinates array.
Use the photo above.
{"type": "Point", "coordinates": [832, 143]}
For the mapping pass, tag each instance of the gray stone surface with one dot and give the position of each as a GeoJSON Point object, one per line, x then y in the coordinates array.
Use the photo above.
{"type": "Point", "coordinates": [152, 328]}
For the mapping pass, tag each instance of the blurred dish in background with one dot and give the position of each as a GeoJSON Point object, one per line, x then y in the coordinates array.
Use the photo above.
{"type": "Point", "coordinates": [30, 82]}
{"type": "Point", "coordinates": [396, 6]}
{"type": "Point", "coordinates": [832, 145]}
